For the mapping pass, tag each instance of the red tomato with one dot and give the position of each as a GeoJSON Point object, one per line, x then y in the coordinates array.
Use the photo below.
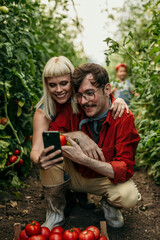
{"type": "Point", "coordinates": [78, 230]}
{"type": "Point", "coordinates": [16, 152]}
{"type": "Point", "coordinates": [33, 228]}
{"type": "Point", "coordinates": [103, 238]}
{"type": "Point", "coordinates": [37, 237]}
{"type": "Point", "coordinates": [86, 235]}
{"type": "Point", "coordinates": [23, 235]}
{"type": "Point", "coordinates": [63, 140]}
{"type": "Point", "coordinates": [45, 232]}
{"type": "Point", "coordinates": [56, 236]}
{"type": "Point", "coordinates": [70, 235]}
{"type": "Point", "coordinates": [95, 230]}
{"type": "Point", "coordinates": [12, 159]}
{"type": "Point", "coordinates": [30, 138]}
{"type": "Point", "coordinates": [4, 120]}
{"type": "Point", "coordinates": [57, 229]}
{"type": "Point", "coordinates": [19, 163]}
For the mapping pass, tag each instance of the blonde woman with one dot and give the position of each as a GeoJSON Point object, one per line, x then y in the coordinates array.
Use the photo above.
{"type": "Point", "coordinates": [58, 95]}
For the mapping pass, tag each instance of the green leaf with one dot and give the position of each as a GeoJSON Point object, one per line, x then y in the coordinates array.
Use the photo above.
{"type": "Point", "coordinates": [21, 103]}
{"type": "Point", "coordinates": [4, 144]}
{"type": "Point", "coordinates": [19, 112]}
{"type": "Point", "coordinates": [2, 127]}
{"type": "Point", "coordinates": [16, 182]}
{"type": "Point", "coordinates": [9, 49]}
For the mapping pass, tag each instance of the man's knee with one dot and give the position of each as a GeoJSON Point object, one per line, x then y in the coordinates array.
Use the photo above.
{"type": "Point", "coordinates": [126, 195]}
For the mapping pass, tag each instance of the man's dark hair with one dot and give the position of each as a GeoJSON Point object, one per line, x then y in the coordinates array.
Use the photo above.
{"type": "Point", "coordinates": [99, 73]}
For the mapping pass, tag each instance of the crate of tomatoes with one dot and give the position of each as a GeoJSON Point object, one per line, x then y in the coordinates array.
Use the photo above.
{"type": "Point", "coordinates": [34, 231]}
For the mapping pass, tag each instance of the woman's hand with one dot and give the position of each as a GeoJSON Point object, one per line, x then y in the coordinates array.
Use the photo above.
{"type": "Point", "coordinates": [118, 107]}
{"type": "Point", "coordinates": [46, 161]}
{"type": "Point", "coordinates": [88, 146]}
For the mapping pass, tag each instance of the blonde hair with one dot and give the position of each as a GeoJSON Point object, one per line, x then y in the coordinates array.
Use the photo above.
{"type": "Point", "coordinates": [55, 67]}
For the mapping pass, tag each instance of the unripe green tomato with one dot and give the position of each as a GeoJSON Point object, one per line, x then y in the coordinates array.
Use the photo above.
{"type": "Point", "coordinates": [4, 9]}
{"type": "Point", "coordinates": [68, 143]}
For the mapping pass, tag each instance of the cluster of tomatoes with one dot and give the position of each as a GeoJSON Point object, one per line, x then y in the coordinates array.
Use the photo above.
{"type": "Point", "coordinates": [34, 231]}
{"type": "Point", "coordinates": [3, 120]}
{"type": "Point", "coordinates": [14, 158]}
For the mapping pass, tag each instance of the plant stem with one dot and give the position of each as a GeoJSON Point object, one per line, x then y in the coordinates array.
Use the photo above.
{"type": "Point", "coordinates": [8, 120]}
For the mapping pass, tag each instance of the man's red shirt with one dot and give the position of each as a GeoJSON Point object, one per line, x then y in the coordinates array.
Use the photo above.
{"type": "Point", "coordinates": [118, 140]}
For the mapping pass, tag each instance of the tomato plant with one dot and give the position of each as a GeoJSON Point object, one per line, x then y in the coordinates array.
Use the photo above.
{"type": "Point", "coordinates": [33, 228]}
{"type": "Point", "coordinates": [95, 230]}
{"type": "Point", "coordinates": [86, 235]}
{"type": "Point", "coordinates": [56, 236]}
{"type": "Point", "coordinates": [70, 234]}
{"type": "Point", "coordinates": [24, 51]}
{"type": "Point", "coordinates": [139, 49]}
{"type": "Point", "coordinates": [45, 232]}
{"type": "Point", "coordinates": [23, 235]}
{"type": "Point", "coordinates": [63, 140]}
{"type": "Point", "coordinates": [57, 229]}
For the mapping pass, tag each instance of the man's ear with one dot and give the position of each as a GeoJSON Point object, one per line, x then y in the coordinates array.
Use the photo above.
{"type": "Point", "coordinates": [107, 89]}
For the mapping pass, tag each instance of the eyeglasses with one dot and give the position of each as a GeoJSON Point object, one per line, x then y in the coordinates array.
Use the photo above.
{"type": "Point", "coordinates": [88, 95]}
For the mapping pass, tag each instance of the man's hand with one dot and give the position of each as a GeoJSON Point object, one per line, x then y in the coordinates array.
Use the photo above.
{"type": "Point", "coordinates": [118, 107]}
{"type": "Point", "coordinates": [88, 146]}
{"type": "Point", "coordinates": [45, 161]}
{"type": "Point", "coordinates": [73, 152]}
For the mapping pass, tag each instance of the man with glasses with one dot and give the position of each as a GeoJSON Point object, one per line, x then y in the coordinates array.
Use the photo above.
{"type": "Point", "coordinates": [109, 177]}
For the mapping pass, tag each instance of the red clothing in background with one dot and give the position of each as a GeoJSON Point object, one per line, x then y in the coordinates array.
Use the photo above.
{"type": "Point", "coordinates": [118, 140]}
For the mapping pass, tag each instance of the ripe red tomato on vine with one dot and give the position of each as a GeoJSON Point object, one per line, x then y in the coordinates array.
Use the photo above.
{"type": "Point", "coordinates": [12, 159]}
{"type": "Point", "coordinates": [16, 152]}
{"type": "Point", "coordinates": [19, 163]}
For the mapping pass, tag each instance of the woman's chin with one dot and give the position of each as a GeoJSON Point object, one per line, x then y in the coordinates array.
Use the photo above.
{"type": "Point", "coordinates": [61, 100]}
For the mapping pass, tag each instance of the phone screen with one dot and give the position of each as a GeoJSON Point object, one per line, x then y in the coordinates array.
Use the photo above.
{"type": "Point", "coordinates": [51, 138]}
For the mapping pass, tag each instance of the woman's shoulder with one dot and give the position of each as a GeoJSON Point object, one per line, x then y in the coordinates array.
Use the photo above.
{"type": "Point", "coordinates": [39, 117]}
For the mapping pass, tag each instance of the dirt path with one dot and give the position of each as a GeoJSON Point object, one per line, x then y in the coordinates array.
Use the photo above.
{"type": "Point", "coordinates": [142, 222]}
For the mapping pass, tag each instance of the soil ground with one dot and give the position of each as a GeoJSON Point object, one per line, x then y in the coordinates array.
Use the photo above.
{"type": "Point", "coordinates": [142, 222]}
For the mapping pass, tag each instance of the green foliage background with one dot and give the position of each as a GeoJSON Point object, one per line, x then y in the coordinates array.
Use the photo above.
{"type": "Point", "coordinates": [30, 34]}
{"type": "Point", "coordinates": [139, 47]}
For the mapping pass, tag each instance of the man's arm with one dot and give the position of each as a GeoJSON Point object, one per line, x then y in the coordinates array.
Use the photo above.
{"type": "Point", "coordinates": [88, 146]}
{"type": "Point", "coordinates": [75, 153]}
{"type": "Point", "coordinates": [127, 139]}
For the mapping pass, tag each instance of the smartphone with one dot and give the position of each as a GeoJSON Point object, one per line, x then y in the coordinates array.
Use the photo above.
{"type": "Point", "coordinates": [51, 138]}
